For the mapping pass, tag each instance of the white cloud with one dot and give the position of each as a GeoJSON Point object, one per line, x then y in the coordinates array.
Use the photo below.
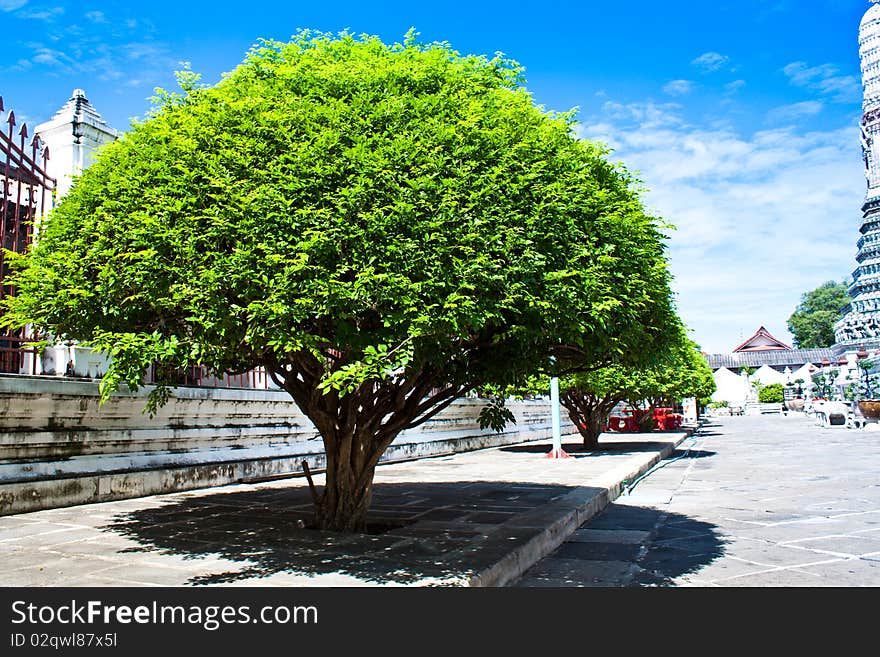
{"type": "Point", "coordinates": [42, 14]}
{"type": "Point", "coordinates": [733, 87]}
{"type": "Point", "coordinates": [103, 54]}
{"type": "Point", "coordinates": [12, 5]}
{"type": "Point", "coordinates": [761, 218]}
{"type": "Point", "coordinates": [678, 87]}
{"type": "Point", "coordinates": [52, 57]}
{"type": "Point", "coordinates": [825, 80]}
{"type": "Point", "coordinates": [794, 112]}
{"type": "Point", "coordinates": [709, 62]}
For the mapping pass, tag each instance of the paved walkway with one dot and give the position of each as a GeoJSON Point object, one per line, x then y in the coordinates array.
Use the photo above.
{"type": "Point", "coordinates": [753, 501]}
{"type": "Point", "coordinates": [474, 519]}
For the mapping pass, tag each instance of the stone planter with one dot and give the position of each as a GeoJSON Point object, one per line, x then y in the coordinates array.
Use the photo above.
{"type": "Point", "coordinates": [796, 404]}
{"type": "Point", "coordinates": [870, 408]}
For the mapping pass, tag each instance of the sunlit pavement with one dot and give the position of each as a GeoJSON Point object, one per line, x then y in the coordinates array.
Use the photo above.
{"type": "Point", "coordinates": [749, 501]}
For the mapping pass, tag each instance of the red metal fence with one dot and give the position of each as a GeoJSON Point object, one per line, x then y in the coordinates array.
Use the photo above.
{"type": "Point", "coordinates": [25, 195]}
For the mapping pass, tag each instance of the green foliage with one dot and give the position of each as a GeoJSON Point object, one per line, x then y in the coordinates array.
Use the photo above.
{"type": "Point", "coordinates": [495, 415]}
{"type": "Point", "coordinates": [347, 213]}
{"type": "Point", "coordinates": [678, 372]}
{"type": "Point", "coordinates": [823, 382]}
{"type": "Point", "coordinates": [866, 385]}
{"type": "Point", "coordinates": [812, 323]}
{"type": "Point", "coordinates": [719, 404]}
{"type": "Point", "coordinates": [772, 393]}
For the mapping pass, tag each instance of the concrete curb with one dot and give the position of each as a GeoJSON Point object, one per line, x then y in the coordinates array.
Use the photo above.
{"type": "Point", "coordinates": [561, 519]}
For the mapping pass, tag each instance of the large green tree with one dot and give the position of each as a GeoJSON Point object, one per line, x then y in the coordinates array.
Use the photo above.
{"type": "Point", "coordinates": [383, 228]}
{"type": "Point", "coordinates": [812, 323]}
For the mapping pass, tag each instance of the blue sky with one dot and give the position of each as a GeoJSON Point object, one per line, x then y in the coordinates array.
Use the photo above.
{"type": "Point", "coordinates": [741, 117]}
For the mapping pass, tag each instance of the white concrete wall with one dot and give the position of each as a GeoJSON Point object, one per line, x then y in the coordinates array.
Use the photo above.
{"type": "Point", "coordinates": [58, 448]}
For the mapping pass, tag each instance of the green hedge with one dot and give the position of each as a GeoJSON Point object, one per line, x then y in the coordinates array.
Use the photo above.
{"type": "Point", "coordinates": [771, 394]}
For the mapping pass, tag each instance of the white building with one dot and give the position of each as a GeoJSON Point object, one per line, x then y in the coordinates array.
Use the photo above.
{"type": "Point", "coordinates": [73, 137]}
{"type": "Point", "coordinates": [765, 359]}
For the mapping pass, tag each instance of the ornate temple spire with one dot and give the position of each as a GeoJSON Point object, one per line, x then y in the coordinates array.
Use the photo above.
{"type": "Point", "coordinates": [860, 326]}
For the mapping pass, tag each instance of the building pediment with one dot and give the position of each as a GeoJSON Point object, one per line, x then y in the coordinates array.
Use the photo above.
{"type": "Point", "coordinates": [762, 340]}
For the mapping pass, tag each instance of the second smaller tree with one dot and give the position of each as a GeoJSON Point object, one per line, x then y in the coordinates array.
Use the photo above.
{"type": "Point", "coordinates": [590, 397]}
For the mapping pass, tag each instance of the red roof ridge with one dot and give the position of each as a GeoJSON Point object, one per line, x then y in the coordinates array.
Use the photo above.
{"type": "Point", "coordinates": [778, 345]}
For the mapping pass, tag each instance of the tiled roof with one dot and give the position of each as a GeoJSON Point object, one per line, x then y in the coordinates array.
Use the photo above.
{"type": "Point", "coordinates": [761, 341]}
{"type": "Point", "coordinates": [793, 357]}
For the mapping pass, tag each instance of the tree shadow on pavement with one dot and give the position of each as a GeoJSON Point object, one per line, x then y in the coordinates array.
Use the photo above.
{"type": "Point", "coordinates": [579, 450]}
{"type": "Point", "coordinates": [629, 546]}
{"type": "Point", "coordinates": [680, 546]}
{"type": "Point", "coordinates": [415, 531]}
{"type": "Point", "coordinates": [691, 453]}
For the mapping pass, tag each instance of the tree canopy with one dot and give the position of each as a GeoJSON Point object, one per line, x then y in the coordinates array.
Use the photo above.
{"type": "Point", "coordinates": [680, 371]}
{"type": "Point", "coordinates": [383, 228]}
{"type": "Point", "coordinates": [812, 323]}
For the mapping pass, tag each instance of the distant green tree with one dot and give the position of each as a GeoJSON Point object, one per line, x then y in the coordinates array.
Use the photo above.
{"type": "Point", "coordinates": [812, 323]}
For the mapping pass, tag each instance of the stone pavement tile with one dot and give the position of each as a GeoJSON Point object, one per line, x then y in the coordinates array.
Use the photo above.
{"type": "Point", "coordinates": [12, 560]}
{"type": "Point", "coordinates": [656, 578]}
{"type": "Point", "coordinates": [782, 577]}
{"type": "Point", "coordinates": [723, 569]}
{"type": "Point", "coordinates": [93, 547]}
{"type": "Point", "coordinates": [676, 561]}
{"type": "Point", "coordinates": [776, 534]}
{"type": "Point", "coordinates": [49, 539]}
{"type": "Point", "coordinates": [690, 581]}
{"type": "Point", "coordinates": [618, 515]}
{"type": "Point", "coordinates": [648, 499]}
{"type": "Point", "coordinates": [138, 574]}
{"type": "Point", "coordinates": [779, 556]}
{"type": "Point", "coordinates": [850, 572]}
{"type": "Point", "coordinates": [488, 517]}
{"type": "Point", "coordinates": [543, 582]}
{"type": "Point", "coordinates": [837, 507]}
{"type": "Point", "coordinates": [840, 545]}
{"type": "Point", "coordinates": [56, 570]}
{"type": "Point", "coordinates": [94, 581]}
{"type": "Point", "coordinates": [189, 564]}
{"type": "Point", "coordinates": [75, 513]}
{"type": "Point", "coordinates": [32, 576]}
{"type": "Point", "coordinates": [11, 522]}
{"type": "Point", "coordinates": [573, 573]}
{"type": "Point", "coordinates": [707, 543]}
{"type": "Point", "coordinates": [442, 514]}
{"type": "Point", "coordinates": [597, 551]}
{"type": "Point", "coordinates": [591, 535]}
{"type": "Point", "coordinates": [31, 530]}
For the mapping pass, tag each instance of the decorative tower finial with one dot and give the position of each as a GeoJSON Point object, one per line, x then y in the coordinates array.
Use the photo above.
{"type": "Point", "coordinates": [859, 328]}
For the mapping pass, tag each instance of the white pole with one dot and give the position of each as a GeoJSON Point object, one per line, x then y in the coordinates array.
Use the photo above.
{"type": "Point", "coordinates": [557, 452]}
{"type": "Point", "coordinates": [554, 413]}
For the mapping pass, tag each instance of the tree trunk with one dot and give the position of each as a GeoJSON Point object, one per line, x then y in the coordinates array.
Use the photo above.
{"type": "Point", "coordinates": [588, 413]}
{"type": "Point", "coordinates": [591, 429]}
{"type": "Point", "coordinates": [352, 456]}
{"type": "Point", "coordinates": [347, 492]}
{"type": "Point", "coordinates": [357, 428]}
